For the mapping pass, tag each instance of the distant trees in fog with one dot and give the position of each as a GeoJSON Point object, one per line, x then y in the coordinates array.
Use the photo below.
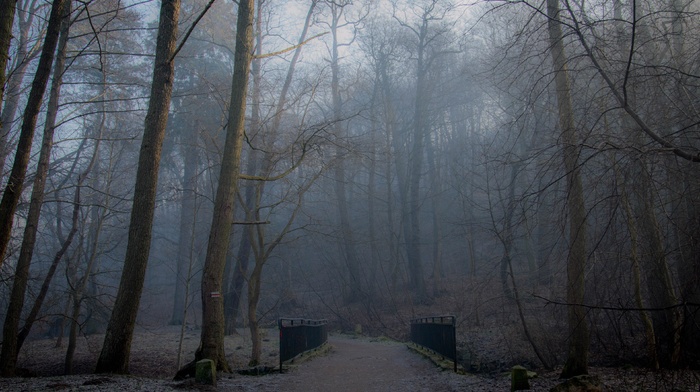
{"type": "Point", "coordinates": [353, 159]}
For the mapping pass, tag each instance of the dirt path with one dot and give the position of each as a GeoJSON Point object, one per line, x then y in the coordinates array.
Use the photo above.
{"type": "Point", "coordinates": [361, 365]}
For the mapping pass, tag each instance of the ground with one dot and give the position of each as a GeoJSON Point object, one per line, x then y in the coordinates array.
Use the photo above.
{"type": "Point", "coordinates": [351, 364]}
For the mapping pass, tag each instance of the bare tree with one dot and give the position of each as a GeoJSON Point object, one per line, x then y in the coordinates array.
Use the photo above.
{"type": "Point", "coordinates": [114, 357]}
{"type": "Point", "coordinates": [212, 337]}
{"type": "Point", "coordinates": [26, 16]}
{"type": "Point", "coordinates": [428, 35]}
{"type": "Point", "coordinates": [263, 249]}
{"type": "Point", "coordinates": [15, 183]}
{"type": "Point", "coordinates": [577, 358]}
{"type": "Point", "coordinates": [7, 18]}
{"type": "Point", "coordinates": [10, 346]}
{"type": "Point", "coordinates": [347, 240]}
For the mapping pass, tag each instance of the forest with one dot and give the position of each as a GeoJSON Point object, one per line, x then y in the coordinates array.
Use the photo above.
{"type": "Point", "coordinates": [526, 166]}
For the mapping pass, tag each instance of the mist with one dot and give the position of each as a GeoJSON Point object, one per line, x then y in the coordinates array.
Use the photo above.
{"type": "Point", "coordinates": [529, 168]}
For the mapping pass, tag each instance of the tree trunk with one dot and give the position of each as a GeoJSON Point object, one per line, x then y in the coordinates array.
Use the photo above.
{"type": "Point", "coordinates": [253, 324]}
{"type": "Point", "coordinates": [372, 193]}
{"type": "Point", "coordinates": [420, 129]}
{"type": "Point", "coordinates": [73, 333]}
{"type": "Point", "coordinates": [658, 277]}
{"type": "Point", "coordinates": [392, 142]}
{"type": "Point", "coordinates": [212, 338]}
{"type": "Point", "coordinates": [233, 286]}
{"type": "Point", "coordinates": [433, 173]}
{"type": "Point", "coordinates": [687, 215]}
{"type": "Point", "coordinates": [347, 242]}
{"type": "Point", "coordinates": [233, 293]}
{"type": "Point", "coordinates": [187, 227]}
{"type": "Point", "coordinates": [637, 280]}
{"type": "Point", "coordinates": [507, 234]}
{"type": "Point", "coordinates": [13, 86]}
{"type": "Point", "coordinates": [7, 18]}
{"type": "Point", "coordinates": [116, 349]}
{"type": "Point", "coordinates": [577, 358]}
{"type": "Point", "coordinates": [38, 302]}
{"type": "Point", "coordinates": [10, 346]}
{"type": "Point", "coordinates": [15, 184]}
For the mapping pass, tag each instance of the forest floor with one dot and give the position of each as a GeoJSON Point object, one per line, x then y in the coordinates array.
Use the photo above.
{"type": "Point", "coordinates": [351, 364]}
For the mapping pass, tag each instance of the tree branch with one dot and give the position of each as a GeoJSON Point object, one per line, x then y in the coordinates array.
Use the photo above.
{"type": "Point", "coordinates": [620, 308]}
{"type": "Point", "coordinates": [189, 31]}
{"type": "Point", "coordinates": [289, 49]}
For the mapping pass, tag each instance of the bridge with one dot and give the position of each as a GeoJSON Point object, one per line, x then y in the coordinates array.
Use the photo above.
{"type": "Point", "coordinates": [358, 364]}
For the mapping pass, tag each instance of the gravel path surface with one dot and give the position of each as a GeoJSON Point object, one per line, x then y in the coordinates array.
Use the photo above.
{"type": "Point", "coordinates": [357, 365]}
{"type": "Point", "coordinates": [361, 365]}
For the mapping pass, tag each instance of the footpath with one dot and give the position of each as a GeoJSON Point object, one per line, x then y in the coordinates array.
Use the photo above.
{"type": "Point", "coordinates": [358, 365]}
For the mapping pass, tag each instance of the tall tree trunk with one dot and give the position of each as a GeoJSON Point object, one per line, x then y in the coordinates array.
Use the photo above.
{"type": "Point", "coordinates": [433, 173]}
{"type": "Point", "coordinates": [577, 358]}
{"type": "Point", "coordinates": [10, 347]}
{"type": "Point", "coordinates": [637, 280]}
{"type": "Point", "coordinates": [253, 324]}
{"type": "Point", "coordinates": [233, 292]}
{"type": "Point", "coordinates": [687, 214]}
{"type": "Point", "coordinates": [7, 19]}
{"type": "Point", "coordinates": [262, 251]}
{"type": "Point", "coordinates": [420, 129]}
{"type": "Point", "coordinates": [38, 302]}
{"type": "Point", "coordinates": [658, 276]}
{"type": "Point", "coordinates": [346, 236]}
{"type": "Point", "coordinates": [398, 156]}
{"type": "Point", "coordinates": [507, 236]}
{"type": "Point", "coordinates": [15, 183]}
{"type": "Point", "coordinates": [187, 226]}
{"type": "Point", "coordinates": [233, 285]}
{"type": "Point", "coordinates": [233, 288]}
{"type": "Point", "coordinates": [116, 349]}
{"type": "Point", "coordinates": [212, 338]}
{"type": "Point", "coordinates": [12, 93]}
{"type": "Point", "coordinates": [372, 193]}
{"type": "Point", "coordinates": [78, 294]}
{"type": "Point", "coordinates": [75, 301]}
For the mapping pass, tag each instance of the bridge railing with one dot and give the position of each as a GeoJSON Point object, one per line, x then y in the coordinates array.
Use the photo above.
{"type": "Point", "coordinates": [436, 333]}
{"type": "Point", "coordinates": [298, 335]}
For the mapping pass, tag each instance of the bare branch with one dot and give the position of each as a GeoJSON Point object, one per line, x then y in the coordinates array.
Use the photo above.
{"type": "Point", "coordinates": [289, 49]}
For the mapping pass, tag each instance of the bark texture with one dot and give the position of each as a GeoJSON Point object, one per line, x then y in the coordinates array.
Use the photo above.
{"type": "Point", "coordinates": [7, 18]}
{"type": "Point", "coordinates": [15, 183]}
{"type": "Point", "coordinates": [212, 338]}
{"type": "Point", "coordinates": [13, 85]}
{"type": "Point", "coordinates": [116, 349]}
{"type": "Point", "coordinates": [10, 344]}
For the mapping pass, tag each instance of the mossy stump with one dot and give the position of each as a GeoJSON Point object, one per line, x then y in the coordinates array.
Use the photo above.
{"type": "Point", "coordinates": [206, 372]}
{"type": "Point", "coordinates": [519, 380]}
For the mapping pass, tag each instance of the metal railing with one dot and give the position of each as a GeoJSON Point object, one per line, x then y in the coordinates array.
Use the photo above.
{"type": "Point", "coordinates": [436, 333]}
{"type": "Point", "coordinates": [299, 335]}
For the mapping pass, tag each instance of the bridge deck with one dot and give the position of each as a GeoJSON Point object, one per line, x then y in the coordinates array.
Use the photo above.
{"type": "Point", "coordinates": [360, 365]}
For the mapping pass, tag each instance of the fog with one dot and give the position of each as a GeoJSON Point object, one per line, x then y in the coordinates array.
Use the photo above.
{"type": "Point", "coordinates": [527, 169]}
